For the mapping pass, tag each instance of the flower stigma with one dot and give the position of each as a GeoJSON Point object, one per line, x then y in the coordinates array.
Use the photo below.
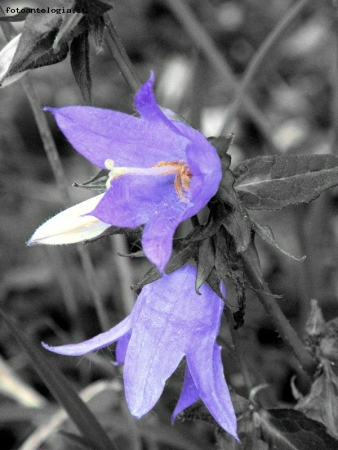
{"type": "Point", "coordinates": [178, 168]}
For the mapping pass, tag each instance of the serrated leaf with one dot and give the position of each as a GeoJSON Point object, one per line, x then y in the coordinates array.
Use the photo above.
{"type": "Point", "coordinates": [274, 182]}
{"type": "Point", "coordinates": [229, 264]}
{"type": "Point", "coordinates": [35, 45]}
{"type": "Point", "coordinates": [321, 403]}
{"type": "Point", "coordinates": [239, 228]}
{"type": "Point", "coordinates": [214, 282]}
{"type": "Point", "coordinates": [216, 216]}
{"type": "Point", "coordinates": [226, 189]}
{"type": "Point", "coordinates": [79, 59]}
{"type": "Point", "coordinates": [265, 233]}
{"type": "Point", "coordinates": [205, 262]}
{"type": "Point", "coordinates": [63, 392]}
{"type": "Point", "coordinates": [287, 429]}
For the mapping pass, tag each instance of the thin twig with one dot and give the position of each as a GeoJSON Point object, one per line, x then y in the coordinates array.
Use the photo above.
{"type": "Point", "coordinates": [124, 272]}
{"type": "Point", "coordinates": [257, 60]}
{"type": "Point", "coordinates": [121, 57]}
{"type": "Point", "coordinates": [205, 43]}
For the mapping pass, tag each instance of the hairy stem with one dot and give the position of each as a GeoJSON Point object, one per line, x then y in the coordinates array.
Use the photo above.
{"type": "Point", "coordinates": [308, 362]}
{"type": "Point", "coordinates": [239, 354]}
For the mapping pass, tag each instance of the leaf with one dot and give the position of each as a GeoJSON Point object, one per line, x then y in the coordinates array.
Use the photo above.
{"type": "Point", "coordinates": [205, 262]}
{"type": "Point", "coordinates": [212, 226]}
{"type": "Point", "coordinates": [315, 325]}
{"type": "Point", "coordinates": [79, 59]}
{"type": "Point", "coordinates": [178, 260]}
{"type": "Point", "coordinates": [229, 264]}
{"type": "Point", "coordinates": [69, 28]}
{"type": "Point", "coordinates": [45, 38]}
{"type": "Point", "coordinates": [252, 264]}
{"type": "Point", "coordinates": [322, 401]}
{"type": "Point", "coordinates": [265, 233]}
{"type": "Point", "coordinates": [62, 391]}
{"type": "Point", "coordinates": [286, 429]}
{"type": "Point", "coordinates": [226, 189]}
{"type": "Point", "coordinates": [214, 283]}
{"type": "Point", "coordinates": [221, 144]}
{"type": "Point", "coordinates": [239, 227]}
{"type": "Point", "coordinates": [274, 182]}
{"type": "Point", "coordinates": [35, 45]}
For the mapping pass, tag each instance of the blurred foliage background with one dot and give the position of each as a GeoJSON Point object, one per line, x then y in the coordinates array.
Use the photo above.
{"type": "Point", "coordinates": [44, 289]}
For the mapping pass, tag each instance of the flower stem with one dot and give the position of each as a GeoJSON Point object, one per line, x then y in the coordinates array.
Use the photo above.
{"type": "Point", "coordinates": [121, 57]}
{"type": "Point", "coordinates": [239, 354]}
{"type": "Point", "coordinates": [206, 45]}
{"type": "Point", "coordinates": [257, 60]}
{"type": "Point", "coordinates": [308, 362]}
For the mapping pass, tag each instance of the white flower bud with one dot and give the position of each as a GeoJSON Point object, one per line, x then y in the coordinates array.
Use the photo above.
{"type": "Point", "coordinates": [71, 226]}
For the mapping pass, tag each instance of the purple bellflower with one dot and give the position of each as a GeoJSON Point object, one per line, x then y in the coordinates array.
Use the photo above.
{"type": "Point", "coordinates": [161, 172]}
{"type": "Point", "coordinates": [169, 321]}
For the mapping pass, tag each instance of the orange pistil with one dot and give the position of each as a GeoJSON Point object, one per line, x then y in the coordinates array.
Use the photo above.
{"type": "Point", "coordinates": [183, 175]}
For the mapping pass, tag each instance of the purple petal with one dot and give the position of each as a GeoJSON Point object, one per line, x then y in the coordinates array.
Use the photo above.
{"type": "Point", "coordinates": [96, 343]}
{"type": "Point", "coordinates": [152, 356]}
{"type": "Point", "coordinates": [162, 330]}
{"type": "Point", "coordinates": [148, 108]}
{"type": "Point", "coordinates": [205, 166]}
{"type": "Point", "coordinates": [189, 394]}
{"type": "Point", "coordinates": [101, 134]}
{"type": "Point", "coordinates": [133, 200]}
{"type": "Point", "coordinates": [157, 238]}
{"type": "Point", "coordinates": [167, 318]}
{"type": "Point", "coordinates": [206, 369]}
{"type": "Point", "coordinates": [121, 348]}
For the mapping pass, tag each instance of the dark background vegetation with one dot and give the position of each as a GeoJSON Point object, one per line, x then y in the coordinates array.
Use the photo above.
{"type": "Point", "coordinates": [44, 289]}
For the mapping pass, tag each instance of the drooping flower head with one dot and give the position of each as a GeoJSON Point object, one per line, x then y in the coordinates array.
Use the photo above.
{"type": "Point", "coordinates": [169, 321]}
{"type": "Point", "coordinates": [161, 172]}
